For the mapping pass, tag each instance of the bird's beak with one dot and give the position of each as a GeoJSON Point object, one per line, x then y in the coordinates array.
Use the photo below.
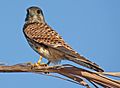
{"type": "Point", "coordinates": [32, 14]}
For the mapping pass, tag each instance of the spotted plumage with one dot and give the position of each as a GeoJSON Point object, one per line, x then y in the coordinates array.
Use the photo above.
{"type": "Point", "coordinates": [48, 43]}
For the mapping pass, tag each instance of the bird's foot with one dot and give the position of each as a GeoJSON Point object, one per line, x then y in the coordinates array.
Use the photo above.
{"type": "Point", "coordinates": [33, 65]}
{"type": "Point", "coordinates": [39, 64]}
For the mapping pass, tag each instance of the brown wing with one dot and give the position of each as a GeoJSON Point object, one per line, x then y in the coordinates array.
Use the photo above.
{"type": "Point", "coordinates": [43, 34]}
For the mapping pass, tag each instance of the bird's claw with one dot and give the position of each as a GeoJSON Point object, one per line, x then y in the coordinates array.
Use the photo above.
{"type": "Point", "coordinates": [39, 64]}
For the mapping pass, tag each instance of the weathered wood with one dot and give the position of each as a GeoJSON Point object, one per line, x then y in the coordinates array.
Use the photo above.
{"type": "Point", "coordinates": [72, 72]}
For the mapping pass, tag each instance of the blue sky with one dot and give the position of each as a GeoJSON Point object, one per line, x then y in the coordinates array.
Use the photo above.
{"type": "Point", "coordinates": [91, 27]}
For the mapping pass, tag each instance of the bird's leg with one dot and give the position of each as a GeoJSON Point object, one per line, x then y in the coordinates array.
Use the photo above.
{"type": "Point", "coordinates": [39, 63]}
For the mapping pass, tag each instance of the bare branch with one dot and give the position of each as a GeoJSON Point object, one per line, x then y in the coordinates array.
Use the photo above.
{"type": "Point", "coordinates": [77, 75]}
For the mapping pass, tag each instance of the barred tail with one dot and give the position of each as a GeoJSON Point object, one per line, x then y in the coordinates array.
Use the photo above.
{"type": "Point", "coordinates": [84, 62]}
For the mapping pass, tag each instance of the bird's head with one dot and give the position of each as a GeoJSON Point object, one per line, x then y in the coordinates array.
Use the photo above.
{"type": "Point", "coordinates": [34, 14]}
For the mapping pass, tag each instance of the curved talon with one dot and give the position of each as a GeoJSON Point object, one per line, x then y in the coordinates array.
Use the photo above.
{"type": "Point", "coordinates": [37, 65]}
{"type": "Point", "coordinates": [42, 64]}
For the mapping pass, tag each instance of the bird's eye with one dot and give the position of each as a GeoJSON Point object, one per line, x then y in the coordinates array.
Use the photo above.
{"type": "Point", "coordinates": [38, 11]}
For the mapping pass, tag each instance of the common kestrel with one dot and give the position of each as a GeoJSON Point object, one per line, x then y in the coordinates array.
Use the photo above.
{"type": "Point", "coordinates": [48, 43]}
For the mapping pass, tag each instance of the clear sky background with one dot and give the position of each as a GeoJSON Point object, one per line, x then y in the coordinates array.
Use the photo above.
{"type": "Point", "coordinates": [91, 27]}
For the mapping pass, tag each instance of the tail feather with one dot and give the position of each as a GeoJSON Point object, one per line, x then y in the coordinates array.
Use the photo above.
{"type": "Point", "coordinates": [85, 62]}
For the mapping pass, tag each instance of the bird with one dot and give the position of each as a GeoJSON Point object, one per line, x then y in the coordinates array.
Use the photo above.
{"type": "Point", "coordinates": [48, 43]}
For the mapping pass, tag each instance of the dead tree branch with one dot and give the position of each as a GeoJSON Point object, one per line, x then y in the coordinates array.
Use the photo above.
{"type": "Point", "coordinates": [74, 73]}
